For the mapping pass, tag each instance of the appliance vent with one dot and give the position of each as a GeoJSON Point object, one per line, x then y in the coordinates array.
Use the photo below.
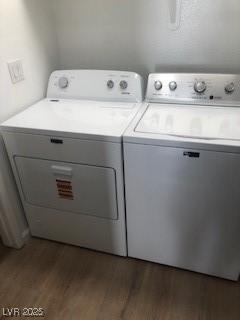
{"type": "Point", "coordinates": [65, 190]}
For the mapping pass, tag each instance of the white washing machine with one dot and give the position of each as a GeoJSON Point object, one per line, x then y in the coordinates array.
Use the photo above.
{"type": "Point", "coordinates": [66, 155]}
{"type": "Point", "coordinates": [182, 174]}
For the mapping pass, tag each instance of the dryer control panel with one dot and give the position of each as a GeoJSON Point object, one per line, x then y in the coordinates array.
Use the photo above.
{"type": "Point", "coordinates": [191, 88]}
{"type": "Point", "coordinates": [96, 85]}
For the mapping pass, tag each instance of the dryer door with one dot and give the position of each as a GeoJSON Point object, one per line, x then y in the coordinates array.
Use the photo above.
{"type": "Point", "coordinates": [77, 188]}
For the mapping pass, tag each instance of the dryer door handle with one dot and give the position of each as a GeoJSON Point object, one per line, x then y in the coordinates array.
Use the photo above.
{"type": "Point", "coordinates": [62, 170]}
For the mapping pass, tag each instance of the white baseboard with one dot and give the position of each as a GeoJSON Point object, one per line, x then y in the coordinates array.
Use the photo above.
{"type": "Point", "coordinates": [26, 235]}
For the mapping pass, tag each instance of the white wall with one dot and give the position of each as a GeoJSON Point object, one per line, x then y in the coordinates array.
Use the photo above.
{"type": "Point", "coordinates": [135, 35]}
{"type": "Point", "coordinates": [27, 32]}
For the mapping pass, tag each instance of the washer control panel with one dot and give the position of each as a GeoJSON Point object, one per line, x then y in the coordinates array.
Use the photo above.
{"type": "Point", "coordinates": [96, 85]}
{"type": "Point", "coordinates": [216, 89]}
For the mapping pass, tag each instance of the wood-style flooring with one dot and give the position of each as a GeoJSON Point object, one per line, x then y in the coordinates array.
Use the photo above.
{"type": "Point", "coordinates": [74, 283]}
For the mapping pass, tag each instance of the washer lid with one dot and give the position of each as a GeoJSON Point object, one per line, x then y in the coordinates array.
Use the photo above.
{"type": "Point", "coordinates": [102, 119]}
{"type": "Point", "coordinates": [199, 122]}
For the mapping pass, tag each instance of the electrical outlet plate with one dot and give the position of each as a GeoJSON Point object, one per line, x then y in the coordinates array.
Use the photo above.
{"type": "Point", "coordinates": [16, 71]}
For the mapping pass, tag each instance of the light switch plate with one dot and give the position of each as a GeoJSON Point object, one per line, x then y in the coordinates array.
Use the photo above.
{"type": "Point", "coordinates": [16, 71]}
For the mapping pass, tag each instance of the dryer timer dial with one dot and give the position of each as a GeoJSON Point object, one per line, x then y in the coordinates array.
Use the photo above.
{"type": "Point", "coordinates": [123, 84]}
{"type": "Point", "coordinates": [63, 82]}
{"type": "Point", "coordinates": [110, 84]}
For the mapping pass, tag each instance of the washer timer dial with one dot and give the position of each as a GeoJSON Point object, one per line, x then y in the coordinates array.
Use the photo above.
{"type": "Point", "coordinates": [200, 86]}
{"type": "Point", "coordinates": [173, 85]}
{"type": "Point", "coordinates": [230, 88]}
{"type": "Point", "coordinates": [158, 85]}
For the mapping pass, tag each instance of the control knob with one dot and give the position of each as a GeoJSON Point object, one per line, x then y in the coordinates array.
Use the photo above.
{"type": "Point", "coordinates": [230, 88]}
{"type": "Point", "coordinates": [63, 82]}
{"type": "Point", "coordinates": [110, 84]}
{"type": "Point", "coordinates": [123, 84]}
{"type": "Point", "coordinates": [200, 86]}
{"type": "Point", "coordinates": [158, 85]}
{"type": "Point", "coordinates": [173, 85]}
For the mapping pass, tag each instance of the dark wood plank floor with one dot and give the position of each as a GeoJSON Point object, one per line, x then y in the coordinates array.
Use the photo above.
{"type": "Point", "coordinates": [74, 283]}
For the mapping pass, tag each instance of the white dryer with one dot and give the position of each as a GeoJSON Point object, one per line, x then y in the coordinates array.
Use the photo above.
{"type": "Point", "coordinates": [66, 155]}
{"type": "Point", "coordinates": [182, 174]}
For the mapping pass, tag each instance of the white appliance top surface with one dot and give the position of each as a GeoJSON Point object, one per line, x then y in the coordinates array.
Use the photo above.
{"type": "Point", "coordinates": [198, 122]}
{"type": "Point", "coordinates": [189, 110]}
{"type": "Point", "coordinates": [109, 119]}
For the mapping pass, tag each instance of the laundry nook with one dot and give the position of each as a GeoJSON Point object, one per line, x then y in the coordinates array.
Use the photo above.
{"type": "Point", "coordinates": [120, 160]}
